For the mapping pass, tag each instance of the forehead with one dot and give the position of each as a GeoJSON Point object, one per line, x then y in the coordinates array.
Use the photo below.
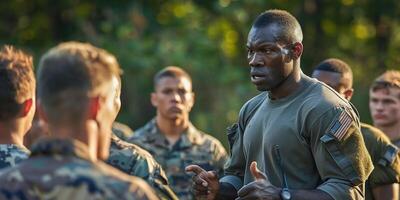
{"type": "Point", "coordinates": [386, 93]}
{"type": "Point", "coordinates": [267, 34]}
{"type": "Point", "coordinates": [176, 82]}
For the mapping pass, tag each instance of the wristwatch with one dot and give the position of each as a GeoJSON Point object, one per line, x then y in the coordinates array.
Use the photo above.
{"type": "Point", "coordinates": [285, 194]}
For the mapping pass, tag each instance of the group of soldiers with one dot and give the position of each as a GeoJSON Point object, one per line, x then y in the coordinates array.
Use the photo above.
{"type": "Point", "coordinates": [300, 138]}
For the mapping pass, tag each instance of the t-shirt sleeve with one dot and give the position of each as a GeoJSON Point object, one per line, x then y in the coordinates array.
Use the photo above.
{"type": "Point", "coordinates": [385, 157]}
{"type": "Point", "coordinates": [340, 154]}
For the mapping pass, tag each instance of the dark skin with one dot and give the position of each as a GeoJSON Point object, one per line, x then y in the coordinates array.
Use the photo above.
{"type": "Point", "coordinates": [274, 67]}
{"type": "Point", "coordinates": [335, 81]}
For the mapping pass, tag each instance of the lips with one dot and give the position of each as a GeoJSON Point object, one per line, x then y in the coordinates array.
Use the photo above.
{"type": "Point", "coordinates": [379, 116]}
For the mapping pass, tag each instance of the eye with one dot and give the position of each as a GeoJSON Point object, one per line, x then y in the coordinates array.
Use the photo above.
{"type": "Point", "coordinates": [250, 51]}
{"type": "Point", "coordinates": [266, 51]}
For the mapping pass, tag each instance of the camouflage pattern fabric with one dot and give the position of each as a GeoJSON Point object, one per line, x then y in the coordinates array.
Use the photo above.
{"type": "Point", "coordinates": [11, 154]}
{"type": "Point", "coordinates": [62, 169]}
{"type": "Point", "coordinates": [136, 161]}
{"type": "Point", "coordinates": [122, 131]}
{"type": "Point", "coordinates": [194, 147]}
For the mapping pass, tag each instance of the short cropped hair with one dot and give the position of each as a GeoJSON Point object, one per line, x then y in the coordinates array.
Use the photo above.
{"type": "Point", "coordinates": [337, 66]}
{"type": "Point", "coordinates": [69, 74]}
{"type": "Point", "coordinates": [389, 79]}
{"type": "Point", "coordinates": [290, 28]}
{"type": "Point", "coordinates": [171, 71]}
{"type": "Point", "coordinates": [17, 81]}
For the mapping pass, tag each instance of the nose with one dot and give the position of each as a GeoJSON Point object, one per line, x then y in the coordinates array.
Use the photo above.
{"type": "Point", "coordinates": [255, 60]}
{"type": "Point", "coordinates": [176, 97]}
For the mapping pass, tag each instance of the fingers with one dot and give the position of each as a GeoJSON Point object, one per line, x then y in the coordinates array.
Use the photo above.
{"type": "Point", "coordinates": [247, 189]}
{"type": "Point", "coordinates": [194, 168]}
{"type": "Point", "coordinates": [257, 174]}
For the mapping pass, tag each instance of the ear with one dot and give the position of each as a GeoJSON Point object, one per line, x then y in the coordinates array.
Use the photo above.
{"type": "Point", "coordinates": [192, 99]}
{"type": "Point", "coordinates": [154, 99]}
{"type": "Point", "coordinates": [26, 107]}
{"type": "Point", "coordinates": [348, 93]}
{"type": "Point", "coordinates": [296, 51]}
{"type": "Point", "coordinates": [94, 107]}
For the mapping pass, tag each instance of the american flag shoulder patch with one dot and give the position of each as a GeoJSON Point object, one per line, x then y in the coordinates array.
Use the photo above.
{"type": "Point", "coordinates": [339, 128]}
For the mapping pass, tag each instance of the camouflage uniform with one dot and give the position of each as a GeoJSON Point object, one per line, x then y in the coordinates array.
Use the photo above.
{"type": "Point", "coordinates": [11, 154]}
{"type": "Point", "coordinates": [194, 147]}
{"type": "Point", "coordinates": [122, 131]}
{"type": "Point", "coordinates": [136, 161]}
{"type": "Point", "coordinates": [62, 169]}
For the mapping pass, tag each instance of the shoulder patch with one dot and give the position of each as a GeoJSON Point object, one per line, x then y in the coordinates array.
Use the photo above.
{"type": "Point", "coordinates": [339, 127]}
{"type": "Point", "coordinates": [389, 156]}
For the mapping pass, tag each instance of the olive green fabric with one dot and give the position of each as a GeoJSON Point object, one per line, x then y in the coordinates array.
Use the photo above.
{"type": "Point", "coordinates": [317, 148]}
{"type": "Point", "coordinates": [384, 156]}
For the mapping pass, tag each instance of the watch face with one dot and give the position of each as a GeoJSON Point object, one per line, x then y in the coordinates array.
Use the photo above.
{"type": "Point", "coordinates": [285, 195]}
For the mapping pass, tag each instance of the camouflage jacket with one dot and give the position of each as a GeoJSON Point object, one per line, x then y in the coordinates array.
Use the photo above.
{"type": "Point", "coordinates": [122, 131]}
{"type": "Point", "coordinates": [11, 154]}
{"type": "Point", "coordinates": [62, 169]}
{"type": "Point", "coordinates": [194, 147]}
{"type": "Point", "coordinates": [136, 161]}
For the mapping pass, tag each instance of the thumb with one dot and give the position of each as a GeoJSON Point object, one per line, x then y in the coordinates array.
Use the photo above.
{"type": "Point", "coordinates": [257, 174]}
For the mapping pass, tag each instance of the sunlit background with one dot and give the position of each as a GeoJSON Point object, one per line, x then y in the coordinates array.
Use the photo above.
{"type": "Point", "coordinates": [206, 38]}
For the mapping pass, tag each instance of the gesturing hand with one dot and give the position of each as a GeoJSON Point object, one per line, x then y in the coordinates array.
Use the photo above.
{"type": "Point", "coordinates": [205, 183]}
{"type": "Point", "coordinates": [261, 188]}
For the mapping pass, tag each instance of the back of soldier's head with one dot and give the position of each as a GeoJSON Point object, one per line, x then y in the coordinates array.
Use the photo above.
{"type": "Point", "coordinates": [386, 81]}
{"type": "Point", "coordinates": [290, 29]}
{"type": "Point", "coordinates": [17, 81]}
{"type": "Point", "coordinates": [69, 74]}
{"type": "Point", "coordinates": [171, 72]}
{"type": "Point", "coordinates": [334, 65]}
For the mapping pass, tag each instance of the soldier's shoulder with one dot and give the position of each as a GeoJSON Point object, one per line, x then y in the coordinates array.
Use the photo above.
{"type": "Point", "coordinates": [123, 148]}
{"type": "Point", "coordinates": [210, 142]}
{"type": "Point", "coordinates": [372, 133]}
{"type": "Point", "coordinates": [10, 155]}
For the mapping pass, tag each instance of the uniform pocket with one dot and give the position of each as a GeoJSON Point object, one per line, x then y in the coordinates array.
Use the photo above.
{"type": "Point", "coordinates": [344, 163]}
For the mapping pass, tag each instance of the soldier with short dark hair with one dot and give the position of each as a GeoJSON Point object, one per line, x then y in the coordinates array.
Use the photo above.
{"type": "Point", "coordinates": [17, 104]}
{"type": "Point", "coordinates": [76, 89]}
{"type": "Point", "coordinates": [384, 179]}
{"type": "Point", "coordinates": [171, 138]}
{"type": "Point", "coordinates": [297, 139]}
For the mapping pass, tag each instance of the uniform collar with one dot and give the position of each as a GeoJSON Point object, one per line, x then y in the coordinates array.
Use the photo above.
{"type": "Point", "coordinates": [61, 147]}
{"type": "Point", "coordinates": [15, 146]}
{"type": "Point", "coordinates": [188, 138]}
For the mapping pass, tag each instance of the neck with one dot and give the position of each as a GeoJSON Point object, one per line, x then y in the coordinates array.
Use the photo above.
{"type": "Point", "coordinates": [11, 133]}
{"type": "Point", "coordinates": [172, 129]}
{"type": "Point", "coordinates": [391, 131]}
{"type": "Point", "coordinates": [84, 134]}
{"type": "Point", "coordinates": [288, 86]}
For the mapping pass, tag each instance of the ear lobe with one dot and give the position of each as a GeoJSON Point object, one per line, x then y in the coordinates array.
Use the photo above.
{"type": "Point", "coordinates": [26, 107]}
{"type": "Point", "coordinates": [94, 107]}
{"type": "Point", "coordinates": [348, 93]}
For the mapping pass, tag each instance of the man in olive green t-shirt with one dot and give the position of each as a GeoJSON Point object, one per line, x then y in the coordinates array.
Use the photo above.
{"type": "Point", "coordinates": [382, 183]}
{"type": "Point", "coordinates": [304, 137]}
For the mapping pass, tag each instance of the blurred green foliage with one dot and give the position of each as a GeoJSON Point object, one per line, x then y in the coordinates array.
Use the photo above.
{"type": "Point", "coordinates": [207, 38]}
